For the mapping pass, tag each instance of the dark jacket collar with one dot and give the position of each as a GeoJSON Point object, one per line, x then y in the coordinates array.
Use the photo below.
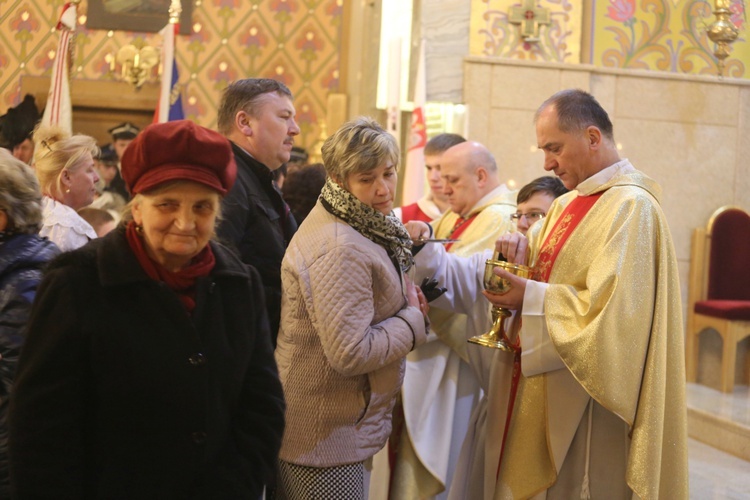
{"type": "Point", "coordinates": [260, 170]}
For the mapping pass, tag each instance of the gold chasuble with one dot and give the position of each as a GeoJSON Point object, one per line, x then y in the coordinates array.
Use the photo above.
{"type": "Point", "coordinates": [613, 312]}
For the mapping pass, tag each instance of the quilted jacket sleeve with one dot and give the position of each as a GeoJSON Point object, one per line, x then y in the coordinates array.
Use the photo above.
{"type": "Point", "coordinates": [359, 309]}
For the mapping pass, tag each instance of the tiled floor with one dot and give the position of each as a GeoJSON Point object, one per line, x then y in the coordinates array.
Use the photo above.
{"type": "Point", "coordinates": [716, 475]}
{"type": "Point", "coordinates": [734, 407]}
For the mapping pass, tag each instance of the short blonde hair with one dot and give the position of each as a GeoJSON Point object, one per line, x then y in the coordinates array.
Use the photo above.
{"type": "Point", "coordinates": [20, 197]}
{"type": "Point", "coordinates": [360, 145]}
{"type": "Point", "coordinates": [56, 151]}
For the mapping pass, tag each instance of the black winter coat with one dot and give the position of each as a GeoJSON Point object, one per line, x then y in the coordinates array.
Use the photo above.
{"type": "Point", "coordinates": [258, 224]}
{"type": "Point", "coordinates": [121, 394]}
{"type": "Point", "coordinates": [22, 258]}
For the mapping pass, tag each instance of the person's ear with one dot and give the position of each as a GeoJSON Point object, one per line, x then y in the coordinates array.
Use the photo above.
{"type": "Point", "coordinates": [338, 181]}
{"type": "Point", "coordinates": [481, 176]}
{"type": "Point", "coordinates": [65, 178]}
{"type": "Point", "coordinates": [3, 220]}
{"type": "Point", "coordinates": [243, 123]}
{"type": "Point", "coordinates": [594, 137]}
{"type": "Point", "coordinates": [135, 210]}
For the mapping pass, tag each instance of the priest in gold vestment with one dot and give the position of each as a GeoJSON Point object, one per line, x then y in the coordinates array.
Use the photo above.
{"type": "Point", "coordinates": [600, 405]}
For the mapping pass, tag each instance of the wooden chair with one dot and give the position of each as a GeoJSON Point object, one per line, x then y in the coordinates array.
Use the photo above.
{"type": "Point", "coordinates": [719, 288]}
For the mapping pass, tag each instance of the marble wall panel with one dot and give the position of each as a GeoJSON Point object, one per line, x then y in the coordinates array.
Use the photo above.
{"type": "Point", "coordinates": [742, 172]}
{"type": "Point", "coordinates": [679, 100]}
{"type": "Point", "coordinates": [575, 79]}
{"type": "Point", "coordinates": [523, 87]}
{"type": "Point", "coordinates": [478, 85]}
{"type": "Point", "coordinates": [692, 163]}
{"type": "Point", "coordinates": [604, 88]}
{"type": "Point", "coordinates": [513, 143]}
{"type": "Point", "coordinates": [445, 28]}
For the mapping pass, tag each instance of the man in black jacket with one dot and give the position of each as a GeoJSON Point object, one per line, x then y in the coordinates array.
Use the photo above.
{"type": "Point", "coordinates": [257, 116]}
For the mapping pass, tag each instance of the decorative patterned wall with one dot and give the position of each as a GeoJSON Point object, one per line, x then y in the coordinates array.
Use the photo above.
{"type": "Point", "coordinates": [493, 35]}
{"type": "Point", "coordinates": [665, 35]}
{"type": "Point", "coordinates": [295, 41]}
{"type": "Point", "coordinates": [662, 35]}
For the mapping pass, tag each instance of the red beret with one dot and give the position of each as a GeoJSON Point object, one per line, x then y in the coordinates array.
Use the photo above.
{"type": "Point", "coordinates": [178, 150]}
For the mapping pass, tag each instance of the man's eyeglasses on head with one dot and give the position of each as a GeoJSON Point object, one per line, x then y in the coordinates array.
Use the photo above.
{"type": "Point", "coordinates": [531, 217]}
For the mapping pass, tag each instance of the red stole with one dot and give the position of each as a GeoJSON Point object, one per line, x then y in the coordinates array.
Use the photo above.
{"type": "Point", "coordinates": [458, 228]}
{"type": "Point", "coordinates": [563, 228]}
{"type": "Point", "coordinates": [568, 221]}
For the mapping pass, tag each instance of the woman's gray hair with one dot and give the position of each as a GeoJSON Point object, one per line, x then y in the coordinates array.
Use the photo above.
{"type": "Point", "coordinates": [360, 145]}
{"type": "Point", "coordinates": [55, 151]}
{"type": "Point", "coordinates": [20, 197]}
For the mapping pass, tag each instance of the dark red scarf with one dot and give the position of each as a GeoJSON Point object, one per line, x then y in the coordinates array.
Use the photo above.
{"type": "Point", "coordinates": [181, 282]}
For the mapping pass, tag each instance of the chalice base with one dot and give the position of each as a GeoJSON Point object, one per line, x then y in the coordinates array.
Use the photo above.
{"type": "Point", "coordinates": [488, 340]}
{"type": "Point", "coordinates": [496, 337]}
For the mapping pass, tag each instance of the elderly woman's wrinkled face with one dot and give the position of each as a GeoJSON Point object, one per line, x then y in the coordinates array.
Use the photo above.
{"type": "Point", "coordinates": [375, 188]}
{"type": "Point", "coordinates": [177, 222]}
{"type": "Point", "coordinates": [79, 185]}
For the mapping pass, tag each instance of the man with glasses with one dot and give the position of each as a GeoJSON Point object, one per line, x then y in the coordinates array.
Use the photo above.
{"type": "Point", "coordinates": [534, 200]}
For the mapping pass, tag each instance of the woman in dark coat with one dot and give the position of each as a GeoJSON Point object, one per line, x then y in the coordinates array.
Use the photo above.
{"type": "Point", "coordinates": [148, 370]}
{"type": "Point", "coordinates": [23, 254]}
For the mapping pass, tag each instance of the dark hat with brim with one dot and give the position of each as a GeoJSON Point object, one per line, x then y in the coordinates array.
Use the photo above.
{"type": "Point", "coordinates": [125, 130]}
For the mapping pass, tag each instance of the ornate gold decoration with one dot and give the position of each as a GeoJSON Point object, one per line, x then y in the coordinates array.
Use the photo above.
{"type": "Point", "coordinates": [722, 32]}
{"type": "Point", "coordinates": [529, 17]}
{"type": "Point", "coordinates": [136, 61]}
{"type": "Point", "coordinates": [175, 9]}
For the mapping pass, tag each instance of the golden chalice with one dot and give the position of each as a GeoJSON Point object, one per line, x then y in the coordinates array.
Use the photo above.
{"type": "Point", "coordinates": [493, 283]}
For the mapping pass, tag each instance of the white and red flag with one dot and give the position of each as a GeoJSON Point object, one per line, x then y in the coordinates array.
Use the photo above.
{"type": "Point", "coordinates": [414, 176]}
{"type": "Point", "coordinates": [58, 110]}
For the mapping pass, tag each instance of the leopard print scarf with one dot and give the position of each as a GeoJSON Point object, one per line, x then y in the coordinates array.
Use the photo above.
{"type": "Point", "coordinates": [386, 231]}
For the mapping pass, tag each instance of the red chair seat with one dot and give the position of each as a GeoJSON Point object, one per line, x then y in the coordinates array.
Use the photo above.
{"type": "Point", "coordinates": [727, 309]}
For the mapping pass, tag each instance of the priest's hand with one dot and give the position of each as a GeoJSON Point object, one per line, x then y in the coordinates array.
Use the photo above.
{"type": "Point", "coordinates": [418, 230]}
{"type": "Point", "coordinates": [513, 299]}
{"type": "Point", "coordinates": [513, 247]}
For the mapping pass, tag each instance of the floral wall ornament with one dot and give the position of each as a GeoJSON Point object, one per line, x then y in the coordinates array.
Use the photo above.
{"type": "Point", "coordinates": [642, 38]}
{"type": "Point", "coordinates": [622, 11]}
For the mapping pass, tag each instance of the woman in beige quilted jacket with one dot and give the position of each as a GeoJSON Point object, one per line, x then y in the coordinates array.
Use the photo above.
{"type": "Point", "coordinates": [350, 314]}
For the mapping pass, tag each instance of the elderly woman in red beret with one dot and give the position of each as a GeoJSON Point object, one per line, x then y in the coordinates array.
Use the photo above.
{"type": "Point", "coordinates": [147, 370]}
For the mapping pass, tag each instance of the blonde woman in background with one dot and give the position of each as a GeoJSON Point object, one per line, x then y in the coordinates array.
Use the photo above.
{"type": "Point", "coordinates": [67, 175]}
